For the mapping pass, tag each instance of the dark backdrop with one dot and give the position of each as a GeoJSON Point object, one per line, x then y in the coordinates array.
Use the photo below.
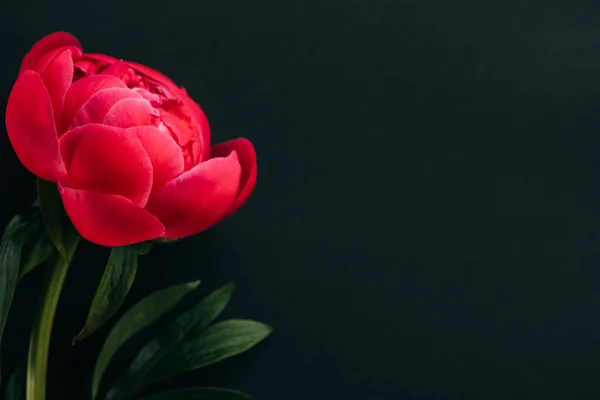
{"type": "Point", "coordinates": [426, 223]}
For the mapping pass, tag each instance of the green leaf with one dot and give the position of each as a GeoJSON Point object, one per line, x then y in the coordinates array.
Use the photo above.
{"type": "Point", "coordinates": [37, 247]}
{"type": "Point", "coordinates": [142, 248]}
{"type": "Point", "coordinates": [140, 316]}
{"type": "Point", "coordinates": [15, 386]}
{"type": "Point", "coordinates": [56, 220]}
{"type": "Point", "coordinates": [199, 393]}
{"type": "Point", "coordinates": [185, 326]}
{"type": "Point", "coordinates": [11, 246]}
{"type": "Point", "coordinates": [115, 284]}
{"type": "Point", "coordinates": [217, 342]}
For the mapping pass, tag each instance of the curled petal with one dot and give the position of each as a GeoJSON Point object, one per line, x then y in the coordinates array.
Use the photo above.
{"type": "Point", "coordinates": [95, 109]}
{"type": "Point", "coordinates": [50, 56]}
{"type": "Point", "coordinates": [57, 77]}
{"type": "Point", "coordinates": [130, 112]}
{"type": "Point", "coordinates": [198, 198]}
{"type": "Point", "coordinates": [247, 157]}
{"type": "Point", "coordinates": [109, 220]}
{"type": "Point", "coordinates": [164, 153]}
{"type": "Point", "coordinates": [51, 42]}
{"type": "Point", "coordinates": [155, 75]}
{"type": "Point", "coordinates": [107, 160]}
{"type": "Point", "coordinates": [85, 68]}
{"type": "Point", "coordinates": [31, 129]}
{"type": "Point", "coordinates": [81, 91]}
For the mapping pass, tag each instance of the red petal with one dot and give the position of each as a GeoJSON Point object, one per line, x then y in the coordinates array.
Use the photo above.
{"type": "Point", "coordinates": [247, 157]}
{"type": "Point", "coordinates": [181, 129]}
{"type": "Point", "coordinates": [202, 122]}
{"type": "Point", "coordinates": [95, 109]}
{"type": "Point", "coordinates": [100, 57]}
{"type": "Point", "coordinates": [197, 199]}
{"type": "Point", "coordinates": [107, 160]}
{"type": "Point", "coordinates": [31, 130]}
{"type": "Point", "coordinates": [57, 77]}
{"type": "Point", "coordinates": [51, 55]}
{"type": "Point", "coordinates": [81, 91]}
{"type": "Point", "coordinates": [155, 75]}
{"type": "Point", "coordinates": [47, 44]}
{"type": "Point", "coordinates": [109, 220]}
{"type": "Point", "coordinates": [164, 153]}
{"type": "Point", "coordinates": [86, 67]}
{"type": "Point", "coordinates": [131, 112]}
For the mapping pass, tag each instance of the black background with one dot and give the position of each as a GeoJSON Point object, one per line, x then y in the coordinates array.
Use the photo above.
{"type": "Point", "coordinates": [426, 223]}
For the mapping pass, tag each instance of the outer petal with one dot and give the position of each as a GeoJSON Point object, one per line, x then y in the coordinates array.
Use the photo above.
{"type": "Point", "coordinates": [95, 109]}
{"type": "Point", "coordinates": [81, 91]}
{"type": "Point", "coordinates": [47, 44]}
{"type": "Point", "coordinates": [31, 130]}
{"type": "Point", "coordinates": [51, 55]}
{"type": "Point", "coordinates": [197, 199]}
{"type": "Point", "coordinates": [164, 153]}
{"type": "Point", "coordinates": [107, 160]}
{"type": "Point", "coordinates": [109, 220]}
{"type": "Point", "coordinates": [100, 57]}
{"type": "Point", "coordinates": [130, 112]}
{"type": "Point", "coordinates": [57, 77]}
{"type": "Point", "coordinates": [247, 156]}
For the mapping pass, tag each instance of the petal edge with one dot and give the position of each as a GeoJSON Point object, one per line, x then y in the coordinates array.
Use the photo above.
{"type": "Point", "coordinates": [31, 129]}
{"type": "Point", "coordinates": [109, 220]}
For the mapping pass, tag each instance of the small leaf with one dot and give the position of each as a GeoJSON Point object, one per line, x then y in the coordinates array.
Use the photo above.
{"type": "Point", "coordinates": [115, 284]}
{"type": "Point", "coordinates": [186, 325]}
{"type": "Point", "coordinates": [15, 386]}
{"type": "Point", "coordinates": [217, 342]}
{"type": "Point", "coordinates": [140, 316]}
{"type": "Point", "coordinates": [53, 214]}
{"type": "Point", "coordinates": [199, 393]}
{"type": "Point", "coordinates": [37, 247]}
{"type": "Point", "coordinates": [142, 248]}
{"type": "Point", "coordinates": [11, 246]}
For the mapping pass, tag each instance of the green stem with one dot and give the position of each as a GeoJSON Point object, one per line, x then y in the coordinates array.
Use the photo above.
{"type": "Point", "coordinates": [37, 363]}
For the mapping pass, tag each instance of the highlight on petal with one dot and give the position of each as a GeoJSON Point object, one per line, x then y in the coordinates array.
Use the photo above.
{"type": "Point", "coordinates": [31, 129]}
{"type": "Point", "coordinates": [198, 198]}
{"type": "Point", "coordinates": [127, 113]}
{"type": "Point", "coordinates": [81, 91]}
{"type": "Point", "coordinates": [107, 160]}
{"type": "Point", "coordinates": [96, 108]}
{"type": "Point", "coordinates": [109, 220]}
{"type": "Point", "coordinates": [57, 77]}
{"type": "Point", "coordinates": [247, 157]}
{"type": "Point", "coordinates": [165, 155]}
{"type": "Point", "coordinates": [51, 42]}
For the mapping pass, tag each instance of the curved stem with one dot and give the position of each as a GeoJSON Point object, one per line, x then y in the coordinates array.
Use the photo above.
{"type": "Point", "coordinates": [39, 343]}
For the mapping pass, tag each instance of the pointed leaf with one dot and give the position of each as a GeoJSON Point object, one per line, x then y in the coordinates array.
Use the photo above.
{"type": "Point", "coordinates": [37, 246]}
{"type": "Point", "coordinates": [217, 342]}
{"type": "Point", "coordinates": [142, 248]}
{"type": "Point", "coordinates": [11, 246]}
{"type": "Point", "coordinates": [15, 386]}
{"type": "Point", "coordinates": [199, 393]}
{"type": "Point", "coordinates": [187, 325]}
{"type": "Point", "coordinates": [146, 312]}
{"type": "Point", "coordinates": [115, 284]}
{"type": "Point", "coordinates": [56, 221]}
